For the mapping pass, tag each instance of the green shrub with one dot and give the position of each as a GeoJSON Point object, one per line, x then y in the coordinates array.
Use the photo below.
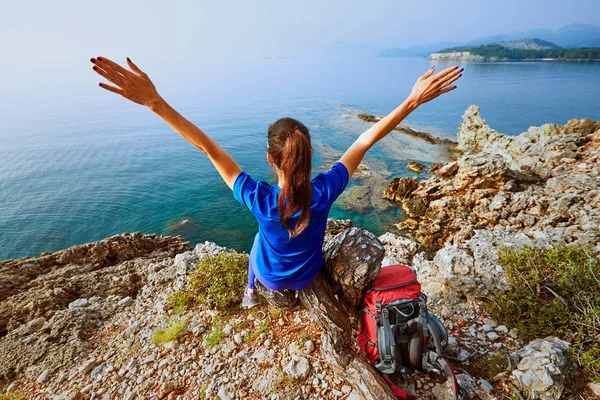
{"type": "Point", "coordinates": [174, 331]}
{"type": "Point", "coordinates": [554, 292]}
{"type": "Point", "coordinates": [181, 301]}
{"type": "Point", "coordinates": [217, 282]}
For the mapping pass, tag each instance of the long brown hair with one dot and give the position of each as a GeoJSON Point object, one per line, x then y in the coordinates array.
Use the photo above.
{"type": "Point", "coordinates": [289, 146]}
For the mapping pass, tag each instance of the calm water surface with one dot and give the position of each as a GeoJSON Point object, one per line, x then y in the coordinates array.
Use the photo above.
{"type": "Point", "coordinates": [78, 164]}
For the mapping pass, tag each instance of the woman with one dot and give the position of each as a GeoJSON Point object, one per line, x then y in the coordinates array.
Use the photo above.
{"type": "Point", "coordinates": [292, 215]}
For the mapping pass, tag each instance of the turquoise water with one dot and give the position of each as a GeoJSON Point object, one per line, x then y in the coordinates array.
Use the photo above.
{"type": "Point", "coordinates": [78, 164]}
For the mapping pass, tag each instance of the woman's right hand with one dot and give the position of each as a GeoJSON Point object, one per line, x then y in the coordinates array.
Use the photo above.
{"type": "Point", "coordinates": [430, 86]}
{"type": "Point", "coordinates": [134, 85]}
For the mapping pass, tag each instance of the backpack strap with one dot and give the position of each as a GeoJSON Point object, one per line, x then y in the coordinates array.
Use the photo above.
{"type": "Point", "coordinates": [425, 329]}
{"type": "Point", "coordinates": [386, 342]}
{"type": "Point", "coordinates": [366, 311]}
{"type": "Point", "coordinates": [440, 362]}
{"type": "Point", "coordinates": [399, 393]}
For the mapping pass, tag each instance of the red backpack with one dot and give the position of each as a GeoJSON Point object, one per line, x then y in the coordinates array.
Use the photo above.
{"type": "Point", "coordinates": [398, 333]}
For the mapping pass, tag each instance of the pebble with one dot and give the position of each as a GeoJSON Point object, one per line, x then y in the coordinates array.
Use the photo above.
{"type": "Point", "coordinates": [493, 336]}
{"type": "Point", "coordinates": [309, 346]}
{"type": "Point", "coordinates": [87, 366]}
{"type": "Point", "coordinates": [595, 388]}
{"type": "Point", "coordinates": [490, 322]}
{"type": "Point", "coordinates": [97, 371]}
{"type": "Point", "coordinates": [171, 345]}
{"type": "Point", "coordinates": [150, 359]}
{"type": "Point", "coordinates": [125, 301]}
{"type": "Point", "coordinates": [44, 376]}
{"type": "Point", "coordinates": [502, 329]}
{"type": "Point", "coordinates": [237, 338]}
{"type": "Point", "coordinates": [487, 328]}
{"type": "Point", "coordinates": [87, 388]}
{"type": "Point", "coordinates": [485, 385]}
{"type": "Point", "coordinates": [223, 395]}
{"type": "Point", "coordinates": [79, 303]}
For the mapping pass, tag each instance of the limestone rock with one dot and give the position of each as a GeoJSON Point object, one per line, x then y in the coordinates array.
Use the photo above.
{"type": "Point", "coordinates": [542, 368]}
{"type": "Point", "coordinates": [400, 248]}
{"type": "Point", "coordinates": [415, 166]}
{"type": "Point", "coordinates": [298, 367]}
{"type": "Point", "coordinates": [545, 178]}
{"type": "Point", "coordinates": [400, 188]}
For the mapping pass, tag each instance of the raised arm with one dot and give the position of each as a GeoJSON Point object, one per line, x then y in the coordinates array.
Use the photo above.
{"type": "Point", "coordinates": [135, 85]}
{"type": "Point", "coordinates": [427, 88]}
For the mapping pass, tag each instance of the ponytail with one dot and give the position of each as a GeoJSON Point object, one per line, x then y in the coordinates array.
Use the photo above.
{"type": "Point", "coordinates": [289, 145]}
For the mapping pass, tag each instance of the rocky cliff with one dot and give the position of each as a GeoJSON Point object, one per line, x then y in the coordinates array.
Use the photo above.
{"type": "Point", "coordinates": [82, 323]}
{"type": "Point", "coordinates": [544, 183]}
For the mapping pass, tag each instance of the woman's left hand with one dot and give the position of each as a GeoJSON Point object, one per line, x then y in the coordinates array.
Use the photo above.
{"type": "Point", "coordinates": [134, 85]}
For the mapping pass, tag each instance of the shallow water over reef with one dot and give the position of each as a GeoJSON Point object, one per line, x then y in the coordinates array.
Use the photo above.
{"type": "Point", "coordinates": [78, 164]}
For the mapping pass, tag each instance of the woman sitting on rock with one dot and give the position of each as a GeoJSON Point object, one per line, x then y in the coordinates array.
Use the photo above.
{"type": "Point", "coordinates": [292, 215]}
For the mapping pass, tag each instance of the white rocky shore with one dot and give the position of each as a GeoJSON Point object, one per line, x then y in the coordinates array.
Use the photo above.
{"type": "Point", "coordinates": [78, 324]}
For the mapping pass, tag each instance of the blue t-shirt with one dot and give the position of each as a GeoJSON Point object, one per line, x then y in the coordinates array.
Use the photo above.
{"type": "Point", "coordinates": [278, 258]}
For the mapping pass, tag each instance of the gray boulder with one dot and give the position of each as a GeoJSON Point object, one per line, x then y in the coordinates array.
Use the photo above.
{"type": "Point", "coordinates": [542, 367]}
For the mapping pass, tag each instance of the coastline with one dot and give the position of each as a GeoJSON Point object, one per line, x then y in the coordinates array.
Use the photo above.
{"type": "Point", "coordinates": [101, 303]}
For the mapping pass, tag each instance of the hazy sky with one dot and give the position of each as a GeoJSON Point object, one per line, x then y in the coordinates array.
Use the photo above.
{"type": "Point", "coordinates": [61, 31]}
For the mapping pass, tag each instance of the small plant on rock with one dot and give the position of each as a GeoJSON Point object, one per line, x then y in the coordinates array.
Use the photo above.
{"type": "Point", "coordinates": [12, 396]}
{"type": "Point", "coordinates": [215, 336]}
{"type": "Point", "coordinates": [284, 384]}
{"type": "Point", "coordinates": [217, 282]}
{"type": "Point", "coordinates": [262, 327]}
{"type": "Point", "coordinates": [174, 331]}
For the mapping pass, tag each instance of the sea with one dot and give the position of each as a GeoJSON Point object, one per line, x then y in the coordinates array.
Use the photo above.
{"type": "Point", "coordinates": [79, 164]}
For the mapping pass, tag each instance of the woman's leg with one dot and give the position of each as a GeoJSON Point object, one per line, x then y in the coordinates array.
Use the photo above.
{"type": "Point", "coordinates": [250, 298]}
{"type": "Point", "coordinates": [251, 277]}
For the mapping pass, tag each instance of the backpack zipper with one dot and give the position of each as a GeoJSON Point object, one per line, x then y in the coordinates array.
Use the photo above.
{"type": "Point", "coordinates": [395, 286]}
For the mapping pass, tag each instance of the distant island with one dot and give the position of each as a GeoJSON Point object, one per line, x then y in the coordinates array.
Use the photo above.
{"type": "Point", "coordinates": [517, 50]}
{"type": "Point", "coordinates": [569, 36]}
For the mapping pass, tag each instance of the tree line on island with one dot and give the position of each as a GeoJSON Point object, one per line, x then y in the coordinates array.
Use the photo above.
{"type": "Point", "coordinates": [502, 52]}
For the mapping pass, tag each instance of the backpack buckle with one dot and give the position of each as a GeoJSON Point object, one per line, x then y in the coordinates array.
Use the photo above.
{"type": "Point", "coordinates": [385, 313]}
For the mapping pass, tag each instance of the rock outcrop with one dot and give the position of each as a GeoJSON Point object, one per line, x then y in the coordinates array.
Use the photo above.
{"type": "Point", "coordinates": [546, 179]}
{"type": "Point", "coordinates": [427, 137]}
{"type": "Point", "coordinates": [541, 368]}
{"type": "Point", "coordinates": [53, 304]}
{"type": "Point", "coordinates": [83, 326]}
